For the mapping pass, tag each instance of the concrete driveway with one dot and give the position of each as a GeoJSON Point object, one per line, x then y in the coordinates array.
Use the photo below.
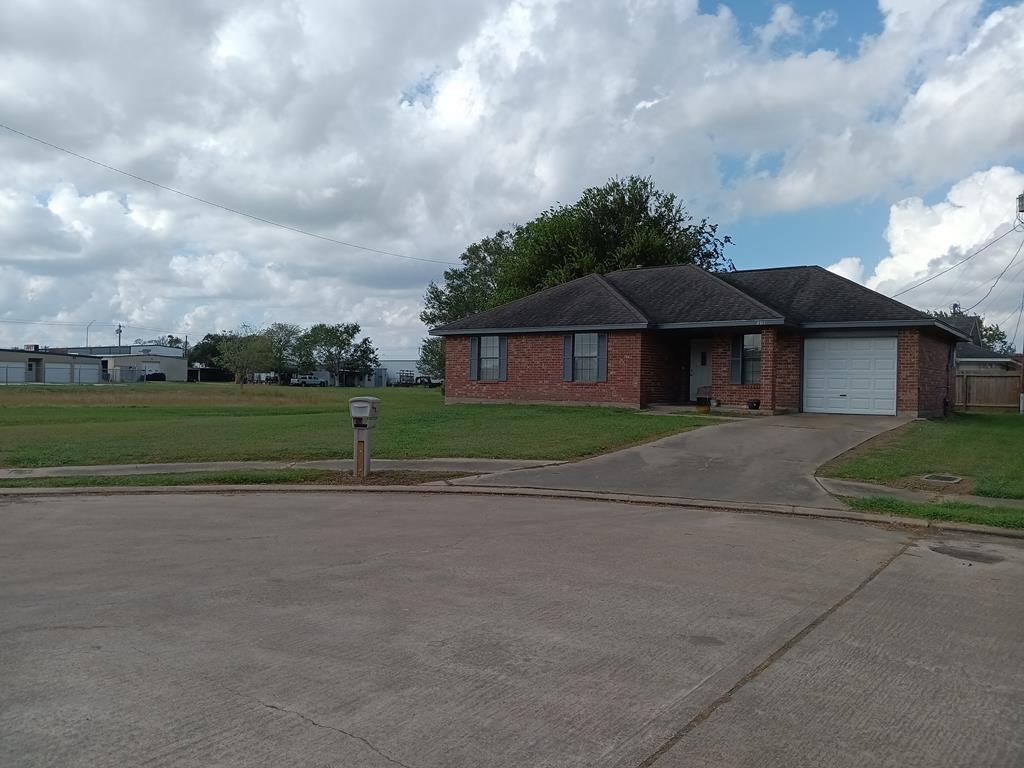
{"type": "Point", "coordinates": [769, 460]}
{"type": "Point", "coordinates": [443, 631]}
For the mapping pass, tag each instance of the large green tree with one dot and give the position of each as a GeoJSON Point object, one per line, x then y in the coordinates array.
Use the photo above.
{"type": "Point", "coordinates": [334, 348]}
{"type": "Point", "coordinates": [204, 354]}
{"type": "Point", "coordinates": [624, 223]}
{"type": "Point", "coordinates": [283, 338]}
{"type": "Point", "coordinates": [244, 353]}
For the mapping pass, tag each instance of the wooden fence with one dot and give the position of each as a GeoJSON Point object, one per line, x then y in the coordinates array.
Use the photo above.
{"type": "Point", "coordinates": [988, 389]}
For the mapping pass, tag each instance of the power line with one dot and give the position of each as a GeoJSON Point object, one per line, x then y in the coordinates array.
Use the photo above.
{"type": "Point", "coordinates": [71, 324]}
{"type": "Point", "coordinates": [998, 278]}
{"type": "Point", "coordinates": [962, 261]}
{"type": "Point", "coordinates": [1020, 313]}
{"type": "Point", "coordinates": [235, 211]}
{"type": "Point", "coordinates": [1008, 283]}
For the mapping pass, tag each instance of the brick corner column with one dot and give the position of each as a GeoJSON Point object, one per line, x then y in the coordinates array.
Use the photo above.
{"type": "Point", "coordinates": [908, 372]}
{"type": "Point", "coordinates": [769, 366]}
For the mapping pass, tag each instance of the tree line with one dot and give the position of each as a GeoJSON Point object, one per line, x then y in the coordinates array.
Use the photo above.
{"type": "Point", "coordinates": [287, 348]}
{"type": "Point", "coordinates": [627, 222]}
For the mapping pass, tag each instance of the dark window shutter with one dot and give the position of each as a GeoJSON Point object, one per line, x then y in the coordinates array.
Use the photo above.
{"type": "Point", "coordinates": [602, 357]}
{"type": "Point", "coordinates": [474, 358]}
{"type": "Point", "coordinates": [567, 357]}
{"type": "Point", "coordinates": [736, 360]}
{"type": "Point", "coordinates": [502, 358]}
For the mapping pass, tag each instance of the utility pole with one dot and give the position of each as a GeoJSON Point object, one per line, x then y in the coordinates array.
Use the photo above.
{"type": "Point", "coordinates": [119, 329]}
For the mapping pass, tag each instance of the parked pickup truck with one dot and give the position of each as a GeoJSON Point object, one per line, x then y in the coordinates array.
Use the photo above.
{"type": "Point", "coordinates": [308, 380]}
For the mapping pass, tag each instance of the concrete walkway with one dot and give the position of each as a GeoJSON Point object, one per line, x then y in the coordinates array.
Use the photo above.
{"type": "Point", "coordinates": [868, 490]}
{"type": "Point", "coordinates": [766, 460]}
{"type": "Point", "coordinates": [475, 466]}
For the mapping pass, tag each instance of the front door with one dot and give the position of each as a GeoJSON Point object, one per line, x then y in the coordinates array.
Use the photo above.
{"type": "Point", "coordinates": [700, 365]}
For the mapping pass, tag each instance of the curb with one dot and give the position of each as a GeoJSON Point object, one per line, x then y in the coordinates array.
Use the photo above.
{"type": "Point", "coordinates": [848, 515]}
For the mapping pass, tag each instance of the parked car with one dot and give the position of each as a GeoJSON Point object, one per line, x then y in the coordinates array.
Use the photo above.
{"type": "Point", "coordinates": [308, 380]}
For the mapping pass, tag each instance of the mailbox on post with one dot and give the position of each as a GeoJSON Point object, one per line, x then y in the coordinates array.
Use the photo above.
{"type": "Point", "coordinates": [363, 411]}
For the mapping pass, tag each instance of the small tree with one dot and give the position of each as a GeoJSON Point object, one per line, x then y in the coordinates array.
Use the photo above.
{"type": "Point", "coordinates": [431, 361]}
{"type": "Point", "coordinates": [363, 358]}
{"type": "Point", "coordinates": [283, 338]}
{"type": "Point", "coordinates": [244, 353]}
{"type": "Point", "coordinates": [993, 337]}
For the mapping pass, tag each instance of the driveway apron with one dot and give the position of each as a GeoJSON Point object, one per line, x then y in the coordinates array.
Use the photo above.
{"type": "Point", "coordinates": [767, 460]}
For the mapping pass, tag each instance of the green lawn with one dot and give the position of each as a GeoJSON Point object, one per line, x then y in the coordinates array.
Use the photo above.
{"type": "Point", "coordinates": [162, 422]}
{"type": "Point", "coordinates": [235, 477]}
{"type": "Point", "coordinates": [988, 448]}
{"type": "Point", "coordinates": [952, 511]}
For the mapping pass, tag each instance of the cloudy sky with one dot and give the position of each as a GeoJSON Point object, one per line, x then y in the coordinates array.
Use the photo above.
{"type": "Point", "coordinates": [885, 142]}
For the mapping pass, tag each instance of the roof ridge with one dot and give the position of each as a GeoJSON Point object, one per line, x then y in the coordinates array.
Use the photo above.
{"type": "Point", "coordinates": [776, 269]}
{"type": "Point", "coordinates": [741, 292]}
{"type": "Point", "coordinates": [622, 299]}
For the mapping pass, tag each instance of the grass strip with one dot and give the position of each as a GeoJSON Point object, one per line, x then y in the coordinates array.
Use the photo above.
{"type": "Point", "coordinates": [950, 511]}
{"type": "Point", "coordinates": [238, 477]}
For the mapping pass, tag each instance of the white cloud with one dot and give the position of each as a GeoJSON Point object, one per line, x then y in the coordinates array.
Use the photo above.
{"type": "Point", "coordinates": [850, 268]}
{"type": "Point", "coordinates": [333, 116]}
{"type": "Point", "coordinates": [784, 22]}
{"type": "Point", "coordinates": [924, 240]}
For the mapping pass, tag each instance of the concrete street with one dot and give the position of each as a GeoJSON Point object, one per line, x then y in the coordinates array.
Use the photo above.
{"type": "Point", "coordinates": [769, 460]}
{"type": "Point", "coordinates": [379, 630]}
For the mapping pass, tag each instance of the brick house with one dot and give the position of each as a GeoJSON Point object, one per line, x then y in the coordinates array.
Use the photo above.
{"type": "Point", "coordinates": [793, 338]}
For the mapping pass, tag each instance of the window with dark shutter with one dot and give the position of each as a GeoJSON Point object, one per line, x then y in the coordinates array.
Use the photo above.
{"type": "Point", "coordinates": [490, 358]}
{"type": "Point", "coordinates": [752, 358]}
{"type": "Point", "coordinates": [584, 357]}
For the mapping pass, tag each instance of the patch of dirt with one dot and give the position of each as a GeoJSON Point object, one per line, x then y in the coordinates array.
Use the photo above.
{"type": "Point", "coordinates": [917, 483]}
{"type": "Point", "coordinates": [386, 477]}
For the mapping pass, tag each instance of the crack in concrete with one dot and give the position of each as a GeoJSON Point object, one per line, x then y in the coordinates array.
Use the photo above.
{"type": "Point", "coordinates": [362, 739]}
{"type": "Point", "coordinates": [777, 654]}
{"type": "Point", "coordinates": [235, 692]}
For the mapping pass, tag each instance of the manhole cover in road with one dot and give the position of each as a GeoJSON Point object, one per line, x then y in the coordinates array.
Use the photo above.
{"type": "Point", "coordinates": [949, 479]}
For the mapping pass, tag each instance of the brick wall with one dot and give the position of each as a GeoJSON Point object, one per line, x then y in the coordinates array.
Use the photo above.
{"type": "Point", "coordinates": [731, 394]}
{"type": "Point", "coordinates": [779, 389]}
{"type": "Point", "coordinates": [535, 372]}
{"type": "Point", "coordinates": [908, 371]}
{"type": "Point", "coordinates": [924, 376]}
{"type": "Point", "coordinates": [662, 357]}
{"type": "Point", "coordinates": [789, 371]}
{"type": "Point", "coordinates": [936, 377]}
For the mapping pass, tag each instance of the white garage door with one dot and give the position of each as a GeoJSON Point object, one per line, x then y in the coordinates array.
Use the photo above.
{"type": "Point", "coordinates": [87, 374]}
{"type": "Point", "coordinates": [57, 373]}
{"type": "Point", "coordinates": [12, 373]}
{"type": "Point", "coordinates": [850, 375]}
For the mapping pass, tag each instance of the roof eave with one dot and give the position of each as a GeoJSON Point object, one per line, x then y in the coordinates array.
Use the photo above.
{"type": "Point", "coordinates": [923, 323]}
{"type": "Point", "coordinates": [720, 324]}
{"type": "Point", "coordinates": [441, 331]}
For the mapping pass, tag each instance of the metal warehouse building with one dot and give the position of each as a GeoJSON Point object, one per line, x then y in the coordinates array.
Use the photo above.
{"type": "Point", "coordinates": [126, 363]}
{"type": "Point", "coordinates": [90, 365]}
{"type": "Point", "coordinates": [35, 366]}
